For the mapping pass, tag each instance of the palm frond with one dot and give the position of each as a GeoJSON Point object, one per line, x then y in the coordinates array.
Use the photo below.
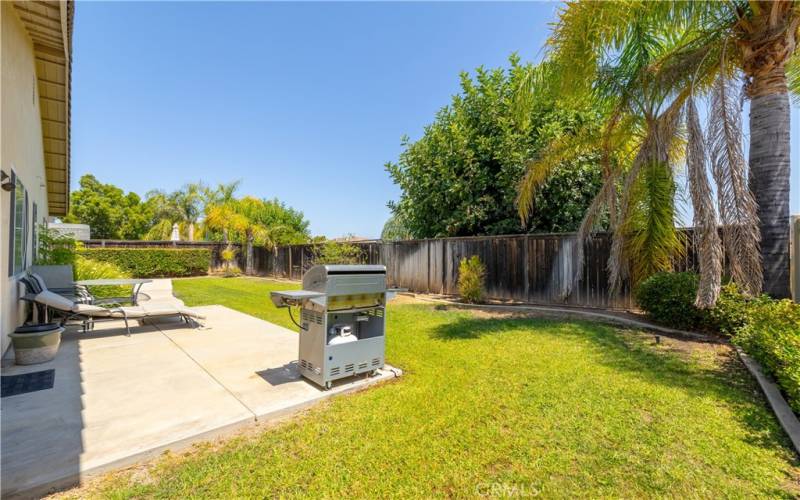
{"type": "Point", "coordinates": [793, 77]}
{"type": "Point", "coordinates": [653, 154]}
{"type": "Point", "coordinates": [537, 171]}
{"type": "Point", "coordinates": [737, 206]}
{"type": "Point", "coordinates": [709, 246]}
{"type": "Point", "coordinates": [161, 230]}
{"type": "Point", "coordinates": [652, 238]}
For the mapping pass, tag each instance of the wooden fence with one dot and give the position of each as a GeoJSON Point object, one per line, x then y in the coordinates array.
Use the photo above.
{"type": "Point", "coordinates": [531, 268]}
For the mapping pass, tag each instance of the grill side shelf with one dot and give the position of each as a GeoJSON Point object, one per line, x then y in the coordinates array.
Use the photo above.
{"type": "Point", "coordinates": [293, 297]}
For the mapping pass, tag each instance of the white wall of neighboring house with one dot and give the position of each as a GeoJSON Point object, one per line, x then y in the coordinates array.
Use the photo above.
{"type": "Point", "coordinates": [78, 232]}
{"type": "Point", "coordinates": [21, 151]}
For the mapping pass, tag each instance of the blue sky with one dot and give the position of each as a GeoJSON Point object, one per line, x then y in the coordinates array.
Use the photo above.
{"type": "Point", "coordinates": [301, 101]}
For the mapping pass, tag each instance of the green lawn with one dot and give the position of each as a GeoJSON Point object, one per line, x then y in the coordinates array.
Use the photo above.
{"type": "Point", "coordinates": [498, 406]}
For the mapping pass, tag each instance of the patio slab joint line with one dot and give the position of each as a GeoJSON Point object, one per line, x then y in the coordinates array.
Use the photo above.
{"type": "Point", "coordinates": [205, 370]}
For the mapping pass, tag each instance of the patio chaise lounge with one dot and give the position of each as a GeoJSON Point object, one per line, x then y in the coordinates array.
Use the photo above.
{"type": "Point", "coordinates": [89, 313]}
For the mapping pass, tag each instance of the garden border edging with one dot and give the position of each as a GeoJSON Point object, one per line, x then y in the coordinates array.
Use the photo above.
{"type": "Point", "coordinates": [777, 402]}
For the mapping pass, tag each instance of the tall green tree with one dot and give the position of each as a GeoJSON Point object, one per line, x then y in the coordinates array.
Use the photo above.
{"type": "Point", "coordinates": [674, 52]}
{"type": "Point", "coordinates": [108, 210]}
{"type": "Point", "coordinates": [460, 178]}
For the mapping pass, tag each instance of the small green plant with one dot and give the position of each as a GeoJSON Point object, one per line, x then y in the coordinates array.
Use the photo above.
{"type": "Point", "coordinates": [54, 248]}
{"type": "Point", "coordinates": [88, 269]}
{"type": "Point", "coordinates": [668, 298]}
{"type": "Point", "coordinates": [771, 335]}
{"type": "Point", "coordinates": [337, 253]}
{"type": "Point", "coordinates": [228, 256]}
{"type": "Point", "coordinates": [471, 276]}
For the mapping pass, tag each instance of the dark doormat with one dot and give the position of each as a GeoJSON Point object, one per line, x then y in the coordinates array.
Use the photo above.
{"type": "Point", "coordinates": [13, 385]}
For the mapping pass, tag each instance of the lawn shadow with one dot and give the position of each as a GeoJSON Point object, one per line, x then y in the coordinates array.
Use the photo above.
{"type": "Point", "coordinates": [631, 352]}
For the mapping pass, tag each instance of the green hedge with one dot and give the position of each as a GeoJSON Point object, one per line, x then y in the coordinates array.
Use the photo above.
{"type": "Point", "coordinates": [154, 262]}
{"type": "Point", "coordinates": [772, 336]}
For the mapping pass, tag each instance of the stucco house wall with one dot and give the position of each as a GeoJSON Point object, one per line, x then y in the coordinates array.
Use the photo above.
{"type": "Point", "coordinates": [21, 151]}
{"type": "Point", "coordinates": [26, 69]}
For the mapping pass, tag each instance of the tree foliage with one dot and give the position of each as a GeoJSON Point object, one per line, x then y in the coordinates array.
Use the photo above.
{"type": "Point", "coordinates": [460, 178]}
{"type": "Point", "coordinates": [268, 223]}
{"type": "Point", "coordinates": [396, 228]}
{"type": "Point", "coordinates": [645, 63]}
{"type": "Point", "coordinates": [334, 252]}
{"type": "Point", "coordinates": [201, 212]}
{"type": "Point", "coordinates": [184, 207]}
{"type": "Point", "coordinates": [109, 211]}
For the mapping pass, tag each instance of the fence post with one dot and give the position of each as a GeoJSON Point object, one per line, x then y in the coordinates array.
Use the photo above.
{"type": "Point", "coordinates": [525, 267]}
{"type": "Point", "coordinates": [444, 265]}
{"type": "Point", "coordinates": [794, 258]}
{"type": "Point", "coordinates": [428, 284]}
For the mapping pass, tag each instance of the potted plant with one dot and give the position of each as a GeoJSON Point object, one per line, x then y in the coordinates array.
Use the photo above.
{"type": "Point", "coordinates": [35, 344]}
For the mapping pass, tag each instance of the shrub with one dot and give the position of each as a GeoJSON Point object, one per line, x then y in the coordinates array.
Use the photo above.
{"type": "Point", "coordinates": [228, 255]}
{"type": "Point", "coordinates": [771, 335]}
{"type": "Point", "coordinates": [154, 262]}
{"type": "Point", "coordinates": [668, 298]}
{"type": "Point", "coordinates": [733, 310]}
{"type": "Point", "coordinates": [471, 275]}
{"type": "Point", "coordinates": [54, 248]}
{"type": "Point", "coordinates": [88, 269]}
{"type": "Point", "coordinates": [337, 253]}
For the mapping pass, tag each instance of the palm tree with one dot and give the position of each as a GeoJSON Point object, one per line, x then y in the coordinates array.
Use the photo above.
{"type": "Point", "coordinates": [704, 47]}
{"type": "Point", "coordinates": [223, 193]}
{"type": "Point", "coordinates": [219, 203]}
{"type": "Point", "coordinates": [241, 220]}
{"type": "Point", "coordinates": [184, 206]}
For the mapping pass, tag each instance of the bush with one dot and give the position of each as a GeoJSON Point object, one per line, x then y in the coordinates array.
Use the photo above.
{"type": "Point", "coordinates": [733, 310]}
{"type": "Point", "coordinates": [228, 255]}
{"type": "Point", "coordinates": [88, 269]}
{"type": "Point", "coordinates": [337, 253]}
{"type": "Point", "coordinates": [471, 275]}
{"type": "Point", "coordinates": [771, 335]}
{"type": "Point", "coordinates": [154, 262]}
{"type": "Point", "coordinates": [54, 248]}
{"type": "Point", "coordinates": [668, 298]}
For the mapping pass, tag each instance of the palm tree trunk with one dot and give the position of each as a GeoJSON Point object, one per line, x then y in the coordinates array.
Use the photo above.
{"type": "Point", "coordinates": [191, 231]}
{"type": "Point", "coordinates": [769, 182]}
{"type": "Point", "coordinates": [767, 41]}
{"type": "Point", "coordinates": [248, 268]}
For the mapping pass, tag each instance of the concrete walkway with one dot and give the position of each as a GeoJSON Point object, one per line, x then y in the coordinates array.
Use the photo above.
{"type": "Point", "coordinates": [118, 399]}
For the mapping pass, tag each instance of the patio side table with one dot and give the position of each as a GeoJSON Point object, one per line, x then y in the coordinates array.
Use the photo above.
{"type": "Point", "coordinates": [136, 283]}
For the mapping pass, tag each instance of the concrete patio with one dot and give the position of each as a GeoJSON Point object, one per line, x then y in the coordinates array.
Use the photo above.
{"type": "Point", "coordinates": [120, 399]}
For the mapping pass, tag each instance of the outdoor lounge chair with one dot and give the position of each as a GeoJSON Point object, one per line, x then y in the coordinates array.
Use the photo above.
{"type": "Point", "coordinates": [89, 313]}
{"type": "Point", "coordinates": [56, 279]}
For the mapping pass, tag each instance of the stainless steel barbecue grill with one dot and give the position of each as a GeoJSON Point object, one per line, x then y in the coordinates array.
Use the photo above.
{"type": "Point", "coordinates": [342, 320]}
